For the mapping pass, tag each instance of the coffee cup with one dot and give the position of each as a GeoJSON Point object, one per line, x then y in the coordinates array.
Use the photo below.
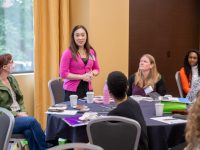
{"type": "Point", "coordinates": [90, 96]}
{"type": "Point", "coordinates": [73, 100]}
{"type": "Point", "coordinates": [159, 109]}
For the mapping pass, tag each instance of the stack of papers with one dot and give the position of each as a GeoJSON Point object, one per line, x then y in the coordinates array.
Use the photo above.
{"type": "Point", "coordinates": [169, 120]}
{"type": "Point", "coordinates": [176, 99]}
{"type": "Point", "coordinates": [141, 98]}
{"type": "Point", "coordinates": [88, 116]}
{"type": "Point", "coordinates": [99, 99]}
{"type": "Point", "coordinates": [65, 112]}
{"type": "Point", "coordinates": [53, 108]}
{"type": "Point", "coordinates": [57, 108]}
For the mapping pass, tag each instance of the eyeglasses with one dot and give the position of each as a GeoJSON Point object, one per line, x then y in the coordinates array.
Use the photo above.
{"type": "Point", "coordinates": [11, 61]}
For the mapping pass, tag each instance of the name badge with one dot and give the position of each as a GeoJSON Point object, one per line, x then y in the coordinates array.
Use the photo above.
{"type": "Point", "coordinates": [92, 57]}
{"type": "Point", "coordinates": [148, 90]}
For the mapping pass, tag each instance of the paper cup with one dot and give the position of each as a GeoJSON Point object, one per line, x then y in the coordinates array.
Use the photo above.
{"type": "Point", "coordinates": [90, 96]}
{"type": "Point", "coordinates": [73, 100]}
{"type": "Point", "coordinates": [159, 109]}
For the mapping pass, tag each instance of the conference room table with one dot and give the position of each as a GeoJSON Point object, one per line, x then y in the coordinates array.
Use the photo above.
{"type": "Point", "coordinates": [161, 135]}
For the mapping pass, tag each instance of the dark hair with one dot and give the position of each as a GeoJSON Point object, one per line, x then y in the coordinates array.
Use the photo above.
{"type": "Point", "coordinates": [5, 59]}
{"type": "Point", "coordinates": [187, 66]}
{"type": "Point", "coordinates": [117, 84]}
{"type": "Point", "coordinates": [74, 47]}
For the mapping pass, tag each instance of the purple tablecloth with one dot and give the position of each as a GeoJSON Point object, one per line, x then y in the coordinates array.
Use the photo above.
{"type": "Point", "coordinates": [161, 135]}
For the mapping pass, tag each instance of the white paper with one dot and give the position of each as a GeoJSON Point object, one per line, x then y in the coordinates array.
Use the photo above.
{"type": "Point", "coordinates": [148, 90]}
{"type": "Point", "coordinates": [65, 112]}
{"type": "Point", "coordinates": [58, 108]}
{"type": "Point", "coordinates": [171, 99]}
{"type": "Point", "coordinates": [169, 120]}
{"type": "Point", "coordinates": [141, 98]}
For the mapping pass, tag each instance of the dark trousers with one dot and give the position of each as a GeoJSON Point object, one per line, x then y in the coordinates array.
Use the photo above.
{"type": "Point", "coordinates": [81, 91]}
{"type": "Point", "coordinates": [31, 129]}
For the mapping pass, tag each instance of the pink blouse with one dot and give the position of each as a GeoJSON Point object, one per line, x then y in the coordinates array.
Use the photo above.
{"type": "Point", "coordinates": [69, 65]}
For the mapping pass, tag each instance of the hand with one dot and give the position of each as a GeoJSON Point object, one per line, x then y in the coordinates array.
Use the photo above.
{"type": "Point", "coordinates": [95, 73]}
{"type": "Point", "coordinates": [87, 77]}
{"type": "Point", "coordinates": [22, 114]}
{"type": "Point", "coordinates": [91, 74]}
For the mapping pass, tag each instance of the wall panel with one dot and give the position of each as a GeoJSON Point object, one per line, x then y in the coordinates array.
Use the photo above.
{"type": "Point", "coordinates": [165, 29]}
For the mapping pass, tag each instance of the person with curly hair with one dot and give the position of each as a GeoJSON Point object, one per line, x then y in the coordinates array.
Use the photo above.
{"type": "Point", "coordinates": [126, 106]}
{"type": "Point", "coordinates": [190, 72]}
{"type": "Point", "coordinates": [193, 126]}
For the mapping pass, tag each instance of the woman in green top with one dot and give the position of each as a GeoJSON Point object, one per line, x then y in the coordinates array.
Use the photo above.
{"type": "Point", "coordinates": [11, 98]}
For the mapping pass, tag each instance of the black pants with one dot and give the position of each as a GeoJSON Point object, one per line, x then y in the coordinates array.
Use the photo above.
{"type": "Point", "coordinates": [81, 91]}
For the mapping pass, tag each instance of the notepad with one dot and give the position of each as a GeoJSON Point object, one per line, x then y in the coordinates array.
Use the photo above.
{"type": "Point", "coordinates": [169, 120]}
{"type": "Point", "coordinates": [74, 121]}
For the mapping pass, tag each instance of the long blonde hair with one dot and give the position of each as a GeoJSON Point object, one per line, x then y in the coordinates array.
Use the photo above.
{"type": "Point", "coordinates": [153, 76]}
{"type": "Point", "coordinates": [193, 125]}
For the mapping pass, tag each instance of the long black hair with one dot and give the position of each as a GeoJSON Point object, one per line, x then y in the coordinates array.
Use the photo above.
{"type": "Point", "coordinates": [187, 66]}
{"type": "Point", "coordinates": [74, 47]}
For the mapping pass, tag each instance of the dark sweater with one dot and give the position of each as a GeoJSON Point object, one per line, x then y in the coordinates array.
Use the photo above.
{"type": "Point", "coordinates": [131, 109]}
{"type": "Point", "coordinates": [159, 86]}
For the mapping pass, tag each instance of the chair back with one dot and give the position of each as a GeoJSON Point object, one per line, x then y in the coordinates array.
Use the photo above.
{"type": "Point", "coordinates": [77, 145]}
{"type": "Point", "coordinates": [179, 85]}
{"type": "Point", "coordinates": [7, 121]}
{"type": "Point", "coordinates": [56, 90]}
{"type": "Point", "coordinates": [114, 133]}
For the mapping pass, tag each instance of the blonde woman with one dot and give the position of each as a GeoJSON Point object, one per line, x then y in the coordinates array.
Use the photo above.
{"type": "Point", "coordinates": [193, 126]}
{"type": "Point", "coordinates": [146, 79]}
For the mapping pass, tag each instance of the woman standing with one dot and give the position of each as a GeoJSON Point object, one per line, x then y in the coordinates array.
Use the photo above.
{"type": "Point", "coordinates": [146, 79]}
{"type": "Point", "coordinates": [11, 98]}
{"type": "Point", "coordinates": [190, 72]}
{"type": "Point", "coordinates": [78, 64]}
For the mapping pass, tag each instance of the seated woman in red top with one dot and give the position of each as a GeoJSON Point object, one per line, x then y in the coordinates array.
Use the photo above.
{"type": "Point", "coordinates": [190, 72]}
{"type": "Point", "coordinates": [146, 79]}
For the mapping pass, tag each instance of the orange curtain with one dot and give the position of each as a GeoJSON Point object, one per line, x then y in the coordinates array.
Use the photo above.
{"type": "Point", "coordinates": [51, 28]}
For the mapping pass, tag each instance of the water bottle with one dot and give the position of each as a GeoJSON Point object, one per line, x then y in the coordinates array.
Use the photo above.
{"type": "Point", "coordinates": [106, 95]}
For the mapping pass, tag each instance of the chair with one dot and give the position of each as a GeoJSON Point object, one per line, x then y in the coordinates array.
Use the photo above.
{"type": "Point", "coordinates": [77, 145]}
{"type": "Point", "coordinates": [179, 85]}
{"type": "Point", "coordinates": [16, 139]}
{"type": "Point", "coordinates": [56, 90]}
{"type": "Point", "coordinates": [114, 133]}
{"type": "Point", "coordinates": [6, 127]}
